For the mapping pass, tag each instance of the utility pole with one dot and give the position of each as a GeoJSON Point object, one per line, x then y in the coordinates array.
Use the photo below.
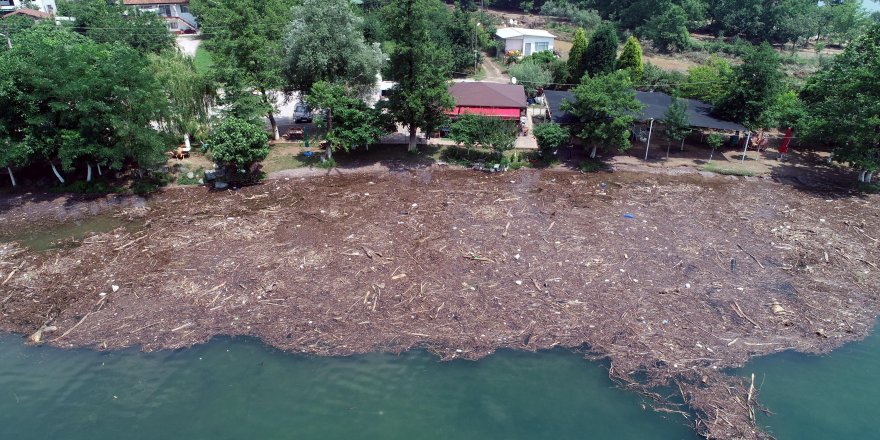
{"type": "Point", "coordinates": [648, 144]}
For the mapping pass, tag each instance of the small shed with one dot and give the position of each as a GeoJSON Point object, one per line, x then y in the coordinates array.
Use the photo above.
{"type": "Point", "coordinates": [505, 101]}
{"type": "Point", "coordinates": [526, 41]}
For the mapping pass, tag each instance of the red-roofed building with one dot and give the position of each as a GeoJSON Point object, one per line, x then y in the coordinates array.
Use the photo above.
{"type": "Point", "coordinates": [505, 101]}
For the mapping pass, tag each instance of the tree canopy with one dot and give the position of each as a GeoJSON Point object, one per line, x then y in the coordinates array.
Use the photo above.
{"type": "Point", "coordinates": [601, 53]}
{"type": "Point", "coordinates": [476, 131]}
{"type": "Point", "coordinates": [604, 107]}
{"type": "Point", "coordinates": [576, 61]}
{"type": "Point", "coordinates": [352, 123]}
{"type": "Point", "coordinates": [631, 59]}
{"type": "Point", "coordinates": [110, 22]}
{"type": "Point", "coordinates": [238, 143]}
{"type": "Point", "coordinates": [753, 90]}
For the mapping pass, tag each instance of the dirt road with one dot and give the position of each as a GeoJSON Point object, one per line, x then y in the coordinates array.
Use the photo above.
{"type": "Point", "coordinates": [672, 278]}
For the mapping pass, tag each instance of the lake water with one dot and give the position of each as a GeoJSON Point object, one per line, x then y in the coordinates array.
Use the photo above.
{"type": "Point", "coordinates": [240, 388]}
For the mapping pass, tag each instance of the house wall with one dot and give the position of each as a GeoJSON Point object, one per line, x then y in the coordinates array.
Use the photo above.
{"type": "Point", "coordinates": [177, 14]}
{"type": "Point", "coordinates": [529, 49]}
{"type": "Point", "coordinates": [47, 6]}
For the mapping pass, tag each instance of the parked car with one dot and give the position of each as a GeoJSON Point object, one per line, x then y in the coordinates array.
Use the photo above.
{"type": "Point", "coordinates": [302, 113]}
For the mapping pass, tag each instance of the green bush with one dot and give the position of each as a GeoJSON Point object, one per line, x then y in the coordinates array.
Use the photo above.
{"type": "Point", "coordinates": [590, 166]}
{"type": "Point", "coordinates": [326, 164]}
{"type": "Point", "coordinates": [150, 184]}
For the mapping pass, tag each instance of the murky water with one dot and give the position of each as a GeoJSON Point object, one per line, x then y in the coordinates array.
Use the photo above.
{"type": "Point", "coordinates": [68, 234]}
{"type": "Point", "coordinates": [241, 389]}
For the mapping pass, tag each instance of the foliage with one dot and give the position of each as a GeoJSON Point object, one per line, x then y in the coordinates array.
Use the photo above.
{"type": "Point", "coordinates": [604, 106]}
{"type": "Point", "coordinates": [756, 83]}
{"type": "Point", "coordinates": [576, 61]}
{"type": "Point", "coordinates": [708, 82]}
{"type": "Point", "coordinates": [476, 131]}
{"type": "Point", "coordinates": [190, 94]}
{"type": "Point", "coordinates": [532, 76]}
{"type": "Point", "coordinates": [574, 11]}
{"type": "Point", "coordinates": [551, 136]}
{"type": "Point", "coordinates": [659, 80]}
{"type": "Point", "coordinates": [631, 59]}
{"type": "Point", "coordinates": [675, 120]}
{"type": "Point", "coordinates": [601, 53]}
{"type": "Point", "coordinates": [788, 111]}
{"type": "Point", "coordinates": [351, 123]}
{"type": "Point", "coordinates": [246, 43]}
{"type": "Point", "coordinates": [715, 141]}
{"type": "Point", "coordinates": [590, 166]}
{"type": "Point", "coordinates": [844, 103]}
{"type": "Point", "coordinates": [238, 143]}
{"type": "Point", "coordinates": [712, 168]}
{"type": "Point", "coordinates": [66, 97]}
{"type": "Point", "coordinates": [668, 30]}
{"type": "Point", "coordinates": [325, 42]}
{"type": "Point", "coordinates": [420, 67]}
{"type": "Point", "coordinates": [110, 22]}
{"type": "Point", "coordinates": [558, 69]}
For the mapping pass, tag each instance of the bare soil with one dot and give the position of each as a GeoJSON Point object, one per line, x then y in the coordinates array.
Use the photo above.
{"type": "Point", "coordinates": [707, 273]}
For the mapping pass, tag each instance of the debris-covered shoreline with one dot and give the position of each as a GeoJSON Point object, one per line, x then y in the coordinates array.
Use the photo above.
{"type": "Point", "coordinates": [700, 276]}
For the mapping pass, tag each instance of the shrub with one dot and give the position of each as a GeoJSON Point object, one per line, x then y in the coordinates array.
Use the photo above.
{"type": "Point", "coordinates": [551, 137]}
{"type": "Point", "coordinates": [238, 143]}
{"type": "Point", "coordinates": [532, 75]}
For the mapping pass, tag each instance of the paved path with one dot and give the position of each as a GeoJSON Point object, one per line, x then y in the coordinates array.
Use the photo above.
{"type": "Point", "coordinates": [188, 44]}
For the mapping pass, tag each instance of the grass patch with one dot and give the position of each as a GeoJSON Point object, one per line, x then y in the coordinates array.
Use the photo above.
{"type": "Point", "coordinates": [590, 166]}
{"type": "Point", "coordinates": [151, 183]}
{"type": "Point", "coordinates": [197, 179]}
{"type": "Point", "coordinates": [83, 187]}
{"type": "Point", "coordinates": [712, 168]}
{"type": "Point", "coordinates": [869, 188]}
{"type": "Point", "coordinates": [204, 60]}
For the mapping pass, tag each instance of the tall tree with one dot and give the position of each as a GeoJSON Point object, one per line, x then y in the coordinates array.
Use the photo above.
{"type": "Point", "coordinates": [246, 40]}
{"type": "Point", "coordinates": [677, 124]}
{"type": "Point", "coordinates": [668, 30]}
{"type": "Point", "coordinates": [708, 82]}
{"type": "Point", "coordinates": [238, 143]}
{"type": "Point", "coordinates": [604, 106]}
{"type": "Point", "coordinates": [531, 74]}
{"type": "Point", "coordinates": [111, 22]}
{"type": "Point", "coordinates": [474, 131]}
{"type": "Point", "coordinates": [325, 42]}
{"type": "Point", "coordinates": [843, 102]}
{"type": "Point", "coordinates": [190, 94]}
{"type": "Point", "coordinates": [350, 122]}
{"type": "Point", "coordinates": [756, 83]}
{"type": "Point", "coordinates": [576, 66]}
{"type": "Point", "coordinates": [420, 67]}
{"type": "Point", "coordinates": [631, 59]}
{"type": "Point", "coordinates": [601, 53]}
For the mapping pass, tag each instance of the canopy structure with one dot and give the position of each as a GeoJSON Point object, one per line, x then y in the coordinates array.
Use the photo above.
{"type": "Point", "coordinates": [498, 112]}
{"type": "Point", "coordinates": [655, 105]}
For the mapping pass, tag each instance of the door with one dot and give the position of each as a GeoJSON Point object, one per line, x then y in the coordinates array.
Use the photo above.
{"type": "Point", "coordinates": [528, 49]}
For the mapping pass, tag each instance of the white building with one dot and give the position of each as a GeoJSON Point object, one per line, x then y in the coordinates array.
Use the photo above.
{"type": "Point", "coordinates": [175, 12]}
{"type": "Point", "coordinates": [526, 41]}
{"type": "Point", "coordinates": [47, 6]}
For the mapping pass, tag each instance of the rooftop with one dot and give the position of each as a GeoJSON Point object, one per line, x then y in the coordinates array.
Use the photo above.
{"type": "Point", "coordinates": [154, 2]}
{"type": "Point", "coordinates": [33, 13]}
{"type": "Point", "coordinates": [515, 32]}
{"type": "Point", "coordinates": [485, 94]}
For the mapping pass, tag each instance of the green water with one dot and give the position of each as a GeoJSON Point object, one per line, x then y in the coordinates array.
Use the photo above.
{"type": "Point", "coordinates": [822, 397]}
{"type": "Point", "coordinates": [241, 389]}
{"type": "Point", "coordinates": [68, 234]}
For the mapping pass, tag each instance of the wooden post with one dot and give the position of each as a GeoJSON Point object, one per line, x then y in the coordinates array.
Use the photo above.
{"type": "Point", "coordinates": [648, 144]}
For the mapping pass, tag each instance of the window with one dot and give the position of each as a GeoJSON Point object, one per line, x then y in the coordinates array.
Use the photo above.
{"type": "Point", "coordinates": [165, 10]}
{"type": "Point", "coordinates": [540, 47]}
{"type": "Point", "coordinates": [172, 25]}
{"type": "Point", "coordinates": [184, 9]}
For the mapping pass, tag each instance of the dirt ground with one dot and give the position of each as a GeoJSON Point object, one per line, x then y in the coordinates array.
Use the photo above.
{"type": "Point", "coordinates": [672, 278]}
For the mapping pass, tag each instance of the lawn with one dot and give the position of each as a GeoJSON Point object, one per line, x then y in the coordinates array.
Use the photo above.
{"type": "Point", "coordinates": [204, 60]}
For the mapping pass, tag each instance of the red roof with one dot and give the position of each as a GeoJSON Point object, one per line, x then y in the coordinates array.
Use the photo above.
{"type": "Point", "coordinates": [39, 15]}
{"type": "Point", "coordinates": [484, 94]}
{"type": "Point", "coordinates": [503, 113]}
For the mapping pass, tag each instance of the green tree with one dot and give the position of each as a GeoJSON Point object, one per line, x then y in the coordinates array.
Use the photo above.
{"type": "Point", "coordinates": [476, 131]}
{"type": "Point", "coordinates": [677, 124]}
{"type": "Point", "coordinates": [246, 41]}
{"type": "Point", "coordinates": [238, 143]}
{"type": "Point", "coordinates": [753, 90]}
{"type": "Point", "coordinates": [350, 122]}
{"type": "Point", "coordinates": [604, 106]}
{"type": "Point", "coordinates": [708, 82]}
{"type": "Point", "coordinates": [843, 103]}
{"type": "Point", "coordinates": [531, 75]}
{"type": "Point", "coordinates": [631, 59]}
{"type": "Point", "coordinates": [420, 67]}
{"type": "Point", "coordinates": [601, 53]}
{"type": "Point", "coordinates": [551, 137]}
{"type": "Point", "coordinates": [325, 42]}
{"type": "Point", "coordinates": [558, 68]}
{"type": "Point", "coordinates": [715, 141]}
{"type": "Point", "coordinates": [111, 22]}
{"type": "Point", "coordinates": [668, 30]}
{"type": "Point", "coordinates": [190, 94]}
{"type": "Point", "coordinates": [576, 66]}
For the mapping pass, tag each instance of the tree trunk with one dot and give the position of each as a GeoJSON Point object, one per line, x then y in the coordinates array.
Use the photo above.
{"type": "Point", "coordinates": [711, 153]}
{"type": "Point", "coordinates": [668, 146]}
{"type": "Point", "coordinates": [593, 152]}
{"type": "Point", "coordinates": [412, 139]}
{"type": "Point", "coordinates": [100, 173]}
{"type": "Point", "coordinates": [55, 170]}
{"type": "Point", "coordinates": [682, 143]}
{"type": "Point", "coordinates": [329, 153]}
{"type": "Point", "coordinates": [88, 172]}
{"type": "Point", "coordinates": [11, 177]}
{"type": "Point", "coordinates": [862, 176]}
{"type": "Point", "coordinates": [186, 141]}
{"type": "Point", "coordinates": [869, 177]}
{"type": "Point", "coordinates": [272, 122]}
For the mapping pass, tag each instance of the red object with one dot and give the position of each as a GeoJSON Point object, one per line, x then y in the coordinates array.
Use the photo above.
{"type": "Point", "coordinates": [500, 112]}
{"type": "Point", "coordinates": [783, 148]}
